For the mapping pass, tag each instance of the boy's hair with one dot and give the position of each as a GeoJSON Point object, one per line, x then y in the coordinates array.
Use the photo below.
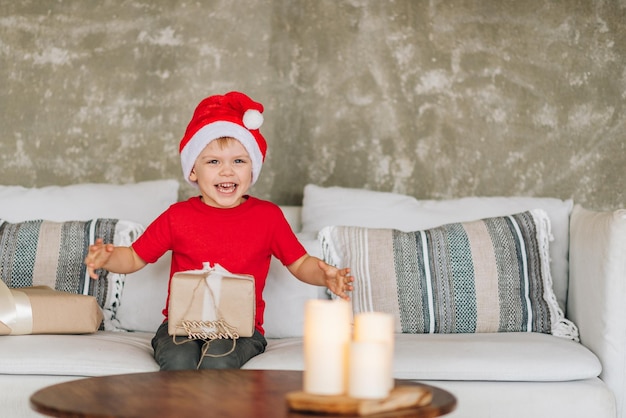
{"type": "Point", "coordinates": [233, 115]}
{"type": "Point", "coordinates": [224, 141]}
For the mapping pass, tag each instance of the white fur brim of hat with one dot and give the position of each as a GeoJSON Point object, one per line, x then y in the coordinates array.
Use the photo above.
{"type": "Point", "coordinates": [213, 131]}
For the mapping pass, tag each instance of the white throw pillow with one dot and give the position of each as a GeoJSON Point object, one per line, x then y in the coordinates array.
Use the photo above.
{"type": "Point", "coordinates": [326, 206]}
{"type": "Point", "coordinates": [285, 295]}
{"type": "Point", "coordinates": [138, 202]}
{"type": "Point", "coordinates": [144, 297]}
{"type": "Point", "coordinates": [340, 206]}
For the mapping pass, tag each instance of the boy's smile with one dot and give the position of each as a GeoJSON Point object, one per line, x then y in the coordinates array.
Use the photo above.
{"type": "Point", "coordinates": [223, 171]}
{"type": "Point", "coordinates": [226, 187]}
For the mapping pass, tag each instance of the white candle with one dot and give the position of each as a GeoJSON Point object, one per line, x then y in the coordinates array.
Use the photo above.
{"type": "Point", "coordinates": [377, 327]}
{"type": "Point", "coordinates": [368, 376]}
{"type": "Point", "coordinates": [326, 343]}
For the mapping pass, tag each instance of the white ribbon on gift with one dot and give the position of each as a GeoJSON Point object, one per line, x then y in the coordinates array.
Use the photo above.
{"type": "Point", "coordinates": [15, 310]}
{"type": "Point", "coordinates": [211, 301]}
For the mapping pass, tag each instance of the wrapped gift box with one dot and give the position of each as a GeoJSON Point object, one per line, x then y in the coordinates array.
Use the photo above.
{"type": "Point", "coordinates": [43, 310]}
{"type": "Point", "coordinates": [211, 303]}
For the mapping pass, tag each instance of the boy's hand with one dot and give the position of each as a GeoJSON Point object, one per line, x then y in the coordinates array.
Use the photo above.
{"type": "Point", "coordinates": [339, 281]}
{"type": "Point", "coordinates": [99, 254]}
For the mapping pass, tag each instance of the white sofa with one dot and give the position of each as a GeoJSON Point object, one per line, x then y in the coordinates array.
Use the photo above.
{"type": "Point", "coordinates": [516, 374]}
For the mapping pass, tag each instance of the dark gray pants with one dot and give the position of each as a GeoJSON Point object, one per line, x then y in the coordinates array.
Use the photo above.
{"type": "Point", "coordinates": [185, 354]}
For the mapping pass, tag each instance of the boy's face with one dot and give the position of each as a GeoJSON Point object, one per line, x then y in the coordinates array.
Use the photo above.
{"type": "Point", "coordinates": [223, 171]}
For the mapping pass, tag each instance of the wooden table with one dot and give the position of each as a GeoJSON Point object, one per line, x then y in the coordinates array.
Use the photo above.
{"type": "Point", "coordinates": [201, 393]}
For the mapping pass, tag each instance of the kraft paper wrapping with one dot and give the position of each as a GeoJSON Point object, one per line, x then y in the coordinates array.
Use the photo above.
{"type": "Point", "coordinates": [207, 296]}
{"type": "Point", "coordinates": [43, 310]}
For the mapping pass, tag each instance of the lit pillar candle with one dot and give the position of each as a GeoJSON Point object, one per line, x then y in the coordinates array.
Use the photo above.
{"type": "Point", "coordinates": [377, 327]}
{"type": "Point", "coordinates": [326, 343]}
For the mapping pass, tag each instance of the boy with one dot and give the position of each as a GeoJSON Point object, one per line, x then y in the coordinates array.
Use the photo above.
{"type": "Point", "coordinates": [221, 154]}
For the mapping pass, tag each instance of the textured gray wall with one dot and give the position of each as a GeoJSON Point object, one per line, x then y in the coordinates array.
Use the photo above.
{"type": "Point", "coordinates": [435, 99]}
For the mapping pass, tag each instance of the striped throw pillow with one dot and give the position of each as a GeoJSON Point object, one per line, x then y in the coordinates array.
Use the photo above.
{"type": "Point", "coordinates": [489, 275]}
{"type": "Point", "coordinates": [40, 252]}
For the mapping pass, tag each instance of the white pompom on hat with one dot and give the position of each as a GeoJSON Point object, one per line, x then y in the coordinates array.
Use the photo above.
{"type": "Point", "coordinates": [233, 115]}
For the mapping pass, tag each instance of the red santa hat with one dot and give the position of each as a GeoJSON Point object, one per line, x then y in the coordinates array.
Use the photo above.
{"type": "Point", "coordinates": [232, 115]}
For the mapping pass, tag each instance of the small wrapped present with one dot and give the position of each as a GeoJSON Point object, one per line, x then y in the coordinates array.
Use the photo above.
{"type": "Point", "coordinates": [43, 310]}
{"type": "Point", "coordinates": [211, 304]}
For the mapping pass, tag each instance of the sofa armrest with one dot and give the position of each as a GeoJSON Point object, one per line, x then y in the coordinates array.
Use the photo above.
{"type": "Point", "coordinates": [597, 291]}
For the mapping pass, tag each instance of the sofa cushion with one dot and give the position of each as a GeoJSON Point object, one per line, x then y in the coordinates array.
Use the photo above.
{"type": "Point", "coordinates": [46, 253]}
{"type": "Point", "coordinates": [490, 275]}
{"type": "Point", "coordinates": [285, 296]}
{"type": "Point", "coordinates": [326, 206]}
{"type": "Point", "coordinates": [99, 354]}
{"type": "Point", "coordinates": [139, 202]}
{"type": "Point", "coordinates": [508, 356]}
{"type": "Point", "coordinates": [144, 296]}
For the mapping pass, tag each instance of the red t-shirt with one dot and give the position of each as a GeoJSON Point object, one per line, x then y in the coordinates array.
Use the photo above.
{"type": "Point", "coordinates": [240, 239]}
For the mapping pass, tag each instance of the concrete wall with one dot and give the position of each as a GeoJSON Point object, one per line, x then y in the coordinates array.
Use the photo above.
{"type": "Point", "coordinates": [435, 99]}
